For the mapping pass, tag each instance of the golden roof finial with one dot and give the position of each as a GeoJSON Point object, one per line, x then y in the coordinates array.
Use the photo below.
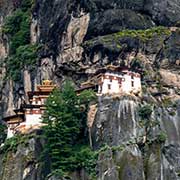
{"type": "Point", "coordinates": [47, 82]}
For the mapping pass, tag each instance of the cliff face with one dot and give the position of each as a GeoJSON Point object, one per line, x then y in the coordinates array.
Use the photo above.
{"type": "Point", "coordinates": [78, 38]}
{"type": "Point", "coordinates": [22, 162]}
{"type": "Point", "coordinates": [71, 49]}
{"type": "Point", "coordinates": [117, 124]}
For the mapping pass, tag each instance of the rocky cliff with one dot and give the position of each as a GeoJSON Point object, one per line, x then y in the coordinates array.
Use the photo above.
{"type": "Point", "coordinates": [79, 37]}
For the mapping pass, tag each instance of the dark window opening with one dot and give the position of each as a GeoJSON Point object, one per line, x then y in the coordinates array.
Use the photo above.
{"type": "Point", "coordinates": [109, 86]}
{"type": "Point", "coordinates": [132, 83]}
{"type": "Point", "coordinates": [100, 89]}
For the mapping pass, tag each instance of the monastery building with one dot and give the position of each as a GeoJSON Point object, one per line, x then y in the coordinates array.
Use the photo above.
{"type": "Point", "coordinates": [28, 117]}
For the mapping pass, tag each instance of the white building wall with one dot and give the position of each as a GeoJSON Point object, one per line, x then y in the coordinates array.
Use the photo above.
{"type": "Point", "coordinates": [32, 119]}
{"type": "Point", "coordinates": [137, 84]}
{"type": "Point", "coordinates": [114, 86]}
{"type": "Point", "coordinates": [126, 84]}
{"type": "Point", "coordinates": [10, 133]}
{"type": "Point", "coordinates": [124, 87]}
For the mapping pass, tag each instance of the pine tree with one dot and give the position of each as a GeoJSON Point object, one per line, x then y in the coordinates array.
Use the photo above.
{"type": "Point", "coordinates": [65, 129]}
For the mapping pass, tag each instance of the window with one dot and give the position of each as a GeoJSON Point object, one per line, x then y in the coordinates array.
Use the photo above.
{"type": "Point", "coordinates": [43, 101]}
{"type": "Point", "coordinates": [100, 89]}
{"type": "Point", "coordinates": [132, 83]}
{"type": "Point", "coordinates": [109, 86]}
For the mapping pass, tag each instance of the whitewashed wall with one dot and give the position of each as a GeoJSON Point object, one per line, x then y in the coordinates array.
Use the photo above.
{"type": "Point", "coordinates": [10, 133]}
{"type": "Point", "coordinates": [126, 84]}
{"type": "Point", "coordinates": [32, 119]}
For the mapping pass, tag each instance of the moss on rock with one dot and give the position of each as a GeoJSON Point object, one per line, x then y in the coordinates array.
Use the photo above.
{"type": "Point", "coordinates": [113, 40]}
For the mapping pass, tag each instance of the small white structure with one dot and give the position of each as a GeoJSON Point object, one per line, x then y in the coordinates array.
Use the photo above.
{"type": "Point", "coordinates": [33, 116]}
{"type": "Point", "coordinates": [12, 122]}
{"type": "Point", "coordinates": [115, 80]}
{"type": "Point", "coordinates": [10, 133]}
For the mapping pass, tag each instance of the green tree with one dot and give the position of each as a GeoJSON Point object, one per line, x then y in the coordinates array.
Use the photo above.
{"type": "Point", "coordinates": [25, 56]}
{"type": "Point", "coordinates": [65, 128]}
{"type": "Point", "coordinates": [145, 112]}
{"type": "Point", "coordinates": [13, 23]}
{"type": "Point", "coordinates": [21, 52]}
{"type": "Point", "coordinates": [17, 27]}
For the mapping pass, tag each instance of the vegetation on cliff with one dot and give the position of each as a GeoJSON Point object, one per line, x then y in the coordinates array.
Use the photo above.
{"type": "Point", "coordinates": [11, 144]}
{"type": "Point", "coordinates": [21, 52]}
{"type": "Point", "coordinates": [152, 142]}
{"type": "Point", "coordinates": [148, 123]}
{"type": "Point", "coordinates": [67, 143]}
{"type": "Point", "coordinates": [113, 40]}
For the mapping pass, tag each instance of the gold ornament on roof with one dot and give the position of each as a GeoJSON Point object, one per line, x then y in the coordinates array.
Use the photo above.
{"type": "Point", "coordinates": [47, 82]}
{"type": "Point", "coordinates": [47, 86]}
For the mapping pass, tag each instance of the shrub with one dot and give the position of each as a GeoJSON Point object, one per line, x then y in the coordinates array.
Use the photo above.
{"type": "Point", "coordinates": [145, 112]}
{"type": "Point", "coordinates": [26, 5]}
{"type": "Point", "coordinates": [167, 102]}
{"type": "Point", "coordinates": [27, 54]}
{"type": "Point", "coordinates": [11, 144]}
{"type": "Point", "coordinates": [136, 63]}
{"type": "Point", "coordinates": [87, 96]}
{"type": "Point", "coordinates": [161, 137]}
